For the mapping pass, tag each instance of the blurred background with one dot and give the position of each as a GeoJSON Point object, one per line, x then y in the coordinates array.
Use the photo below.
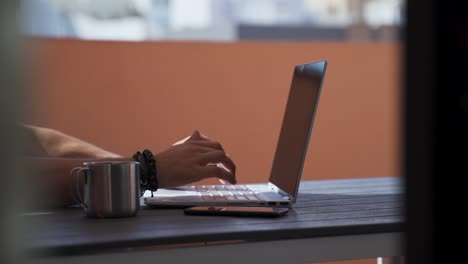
{"type": "Point", "coordinates": [221, 20]}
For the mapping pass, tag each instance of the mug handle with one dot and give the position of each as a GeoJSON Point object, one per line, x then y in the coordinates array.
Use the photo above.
{"type": "Point", "coordinates": [76, 172]}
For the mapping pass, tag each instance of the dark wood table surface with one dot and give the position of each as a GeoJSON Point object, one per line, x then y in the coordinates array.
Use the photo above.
{"type": "Point", "coordinates": [324, 208]}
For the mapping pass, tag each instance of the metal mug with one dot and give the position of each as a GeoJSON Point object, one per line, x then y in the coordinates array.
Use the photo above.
{"type": "Point", "coordinates": [111, 188]}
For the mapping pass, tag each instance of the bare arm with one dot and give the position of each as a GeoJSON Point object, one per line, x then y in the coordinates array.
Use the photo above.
{"type": "Point", "coordinates": [54, 154]}
{"type": "Point", "coordinates": [51, 155]}
{"type": "Point", "coordinates": [53, 143]}
{"type": "Point", "coordinates": [53, 183]}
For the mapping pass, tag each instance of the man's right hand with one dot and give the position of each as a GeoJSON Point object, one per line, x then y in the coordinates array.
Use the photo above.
{"type": "Point", "coordinates": [193, 159]}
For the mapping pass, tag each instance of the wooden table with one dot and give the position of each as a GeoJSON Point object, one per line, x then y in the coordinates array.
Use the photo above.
{"type": "Point", "coordinates": [332, 220]}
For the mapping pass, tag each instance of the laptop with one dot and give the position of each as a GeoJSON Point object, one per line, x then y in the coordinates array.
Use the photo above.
{"type": "Point", "coordinates": [282, 188]}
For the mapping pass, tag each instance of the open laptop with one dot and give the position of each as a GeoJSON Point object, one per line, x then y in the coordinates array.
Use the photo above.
{"type": "Point", "coordinates": [283, 185]}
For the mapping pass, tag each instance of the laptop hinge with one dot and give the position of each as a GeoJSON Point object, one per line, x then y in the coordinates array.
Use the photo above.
{"type": "Point", "coordinates": [280, 191]}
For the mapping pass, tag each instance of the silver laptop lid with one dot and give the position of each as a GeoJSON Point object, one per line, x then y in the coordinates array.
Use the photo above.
{"type": "Point", "coordinates": [297, 126]}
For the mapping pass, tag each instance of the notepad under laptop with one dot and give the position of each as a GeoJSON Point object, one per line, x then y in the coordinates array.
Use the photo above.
{"type": "Point", "coordinates": [283, 185]}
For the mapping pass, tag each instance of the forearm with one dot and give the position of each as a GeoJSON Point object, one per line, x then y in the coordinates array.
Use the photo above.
{"type": "Point", "coordinates": [54, 143]}
{"type": "Point", "coordinates": [53, 185]}
{"type": "Point", "coordinates": [50, 156]}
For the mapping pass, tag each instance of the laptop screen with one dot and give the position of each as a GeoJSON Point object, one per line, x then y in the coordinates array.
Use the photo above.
{"type": "Point", "coordinates": [297, 126]}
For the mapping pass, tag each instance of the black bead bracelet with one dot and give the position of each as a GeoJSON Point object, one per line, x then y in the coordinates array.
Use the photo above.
{"type": "Point", "coordinates": [148, 171]}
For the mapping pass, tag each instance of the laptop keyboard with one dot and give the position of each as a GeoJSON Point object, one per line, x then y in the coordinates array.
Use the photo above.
{"type": "Point", "coordinates": [227, 192]}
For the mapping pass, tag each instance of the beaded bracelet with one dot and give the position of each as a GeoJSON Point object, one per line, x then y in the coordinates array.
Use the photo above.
{"type": "Point", "coordinates": [148, 171]}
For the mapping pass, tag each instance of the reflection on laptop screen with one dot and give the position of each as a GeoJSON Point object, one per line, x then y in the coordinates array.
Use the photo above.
{"type": "Point", "coordinates": [297, 125]}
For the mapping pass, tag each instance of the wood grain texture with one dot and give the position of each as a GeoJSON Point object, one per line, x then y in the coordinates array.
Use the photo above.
{"type": "Point", "coordinates": [324, 208]}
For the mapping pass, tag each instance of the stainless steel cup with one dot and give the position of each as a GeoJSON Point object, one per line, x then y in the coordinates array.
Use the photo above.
{"type": "Point", "coordinates": [111, 188]}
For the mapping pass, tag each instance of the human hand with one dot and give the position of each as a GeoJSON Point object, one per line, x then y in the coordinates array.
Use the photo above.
{"type": "Point", "coordinates": [193, 159]}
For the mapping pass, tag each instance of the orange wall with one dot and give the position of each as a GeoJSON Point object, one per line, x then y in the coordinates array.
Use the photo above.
{"type": "Point", "coordinates": [125, 96]}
